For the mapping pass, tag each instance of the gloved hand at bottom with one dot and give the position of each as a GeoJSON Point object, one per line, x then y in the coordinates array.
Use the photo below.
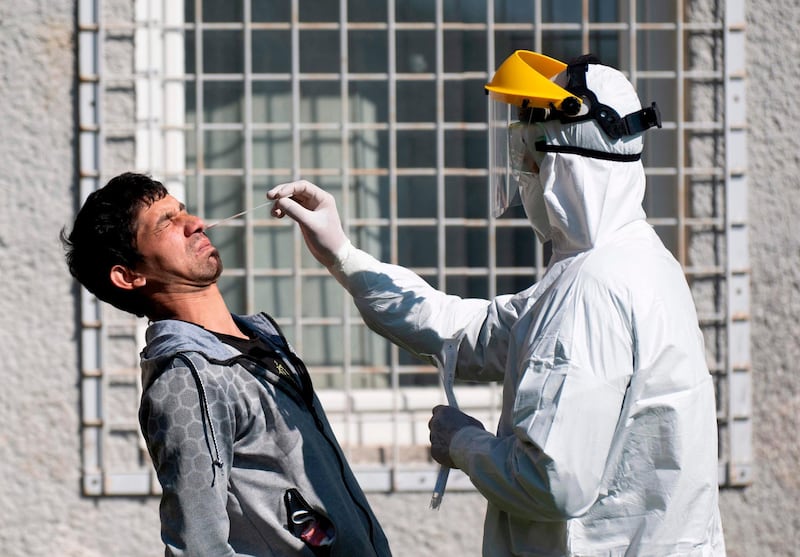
{"type": "Point", "coordinates": [444, 424]}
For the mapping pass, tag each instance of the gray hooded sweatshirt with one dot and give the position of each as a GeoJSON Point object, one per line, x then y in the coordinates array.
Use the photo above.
{"type": "Point", "coordinates": [245, 456]}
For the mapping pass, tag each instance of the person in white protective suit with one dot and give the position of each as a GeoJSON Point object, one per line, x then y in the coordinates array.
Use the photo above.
{"type": "Point", "coordinates": [607, 441]}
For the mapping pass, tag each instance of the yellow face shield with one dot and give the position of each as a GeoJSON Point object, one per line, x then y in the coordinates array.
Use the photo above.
{"type": "Point", "coordinates": [524, 80]}
{"type": "Point", "coordinates": [524, 92]}
{"type": "Point", "coordinates": [521, 86]}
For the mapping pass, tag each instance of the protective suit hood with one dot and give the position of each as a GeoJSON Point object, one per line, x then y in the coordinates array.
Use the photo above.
{"type": "Point", "coordinates": [587, 197]}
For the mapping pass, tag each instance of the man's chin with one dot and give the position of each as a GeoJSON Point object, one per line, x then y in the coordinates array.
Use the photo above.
{"type": "Point", "coordinates": [220, 266]}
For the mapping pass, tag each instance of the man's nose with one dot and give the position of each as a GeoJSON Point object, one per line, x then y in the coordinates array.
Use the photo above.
{"type": "Point", "coordinates": [193, 224]}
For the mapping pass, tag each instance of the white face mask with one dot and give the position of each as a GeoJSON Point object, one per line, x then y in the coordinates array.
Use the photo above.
{"type": "Point", "coordinates": [523, 156]}
{"type": "Point", "coordinates": [531, 193]}
{"type": "Point", "coordinates": [525, 161]}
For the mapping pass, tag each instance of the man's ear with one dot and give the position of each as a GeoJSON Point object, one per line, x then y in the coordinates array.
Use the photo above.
{"type": "Point", "coordinates": [125, 278]}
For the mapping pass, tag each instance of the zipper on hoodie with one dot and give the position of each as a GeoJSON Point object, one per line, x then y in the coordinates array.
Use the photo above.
{"type": "Point", "coordinates": [304, 394]}
{"type": "Point", "coordinates": [308, 392]}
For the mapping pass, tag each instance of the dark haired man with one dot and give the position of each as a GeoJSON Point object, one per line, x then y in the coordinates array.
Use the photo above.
{"type": "Point", "coordinates": [244, 453]}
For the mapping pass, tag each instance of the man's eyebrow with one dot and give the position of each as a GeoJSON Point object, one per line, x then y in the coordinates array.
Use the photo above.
{"type": "Point", "coordinates": [168, 214]}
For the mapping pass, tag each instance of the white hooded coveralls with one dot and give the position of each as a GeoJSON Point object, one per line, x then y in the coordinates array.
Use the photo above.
{"type": "Point", "coordinates": [607, 440]}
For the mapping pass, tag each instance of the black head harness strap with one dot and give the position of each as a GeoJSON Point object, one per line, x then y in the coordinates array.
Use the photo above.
{"type": "Point", "coordinates": [609, 120]}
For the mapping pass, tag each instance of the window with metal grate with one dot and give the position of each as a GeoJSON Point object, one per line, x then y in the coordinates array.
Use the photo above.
{"type": "Point", "coordinates": [382, 104]}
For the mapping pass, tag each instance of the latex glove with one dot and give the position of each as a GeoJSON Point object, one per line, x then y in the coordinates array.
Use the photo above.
{"type": "Point", "coordinates": [314, 210]}
{"type": "Point", "coordinates": [445, 423]}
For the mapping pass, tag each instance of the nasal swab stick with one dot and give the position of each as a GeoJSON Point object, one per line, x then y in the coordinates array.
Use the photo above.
{"type": "Point", "coordinates": [238, 214]}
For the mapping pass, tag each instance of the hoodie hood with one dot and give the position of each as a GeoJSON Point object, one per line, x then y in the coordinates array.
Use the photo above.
{"type": "Point", "coordinates": [169, 337]}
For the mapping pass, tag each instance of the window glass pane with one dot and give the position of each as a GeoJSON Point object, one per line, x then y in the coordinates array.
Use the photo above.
{"type": "Point", "coordinates": [367, 51]}
{"type": "Point", "coordinates": [368, 348]}
{"type": "Point", "coordinates": [322, 345]}
{"type": "Point", "coordinates": [223, 51]}
{"type": "Point", "coordinates": [275, 295]}
{"type": "Point", "coordinates": [662, 91]}
{"type": "Point", "coordinates": [366, 10]}
{"type": "Point", "coordinates": [416, 101]}
{"type": "Point", "coordinates": [466, 247]}
{"type": "Point", "coordinates": [320, 149]}
{"type": "Point", "coordinates": [372, 239]}
{"type": "Point", "coordinates": [189, 51]}
{"type": "Point", "coordinates": [661, 197]}
{"type": "Point", "coordinates": [668, 235]}
{"type": "Point", "coordinates": [230, 242]}
{"type": "Point", "coordinates": [369, 101]}
{"type": "Point", "coordinates": [605, 45]}
{"type": "Point", "coordinates": [190, 143]}
{"type": "Point", "coordinates": [659, 147]}
{"type": "Point", "coordinates": [465, 101]}
{"type": "Point", "coordinates": [415, 10]}
{"type": "Point", "coordinates": [221, 12]}
{"type": "Point", "coordinates": [272, 51]}
{"type": "Point", "coordinates": [516, 246]}
{"type": "Point", "coordinates": [272, 247]}
{"type": "Point", "coordinates": [416, 149]}
{"type": "Point", "coordinates": [562, 45]}
{"type": "Point", "coordinates": [468, 287]}
{"type": "Point", "coordinates": [223, 101]}
{"type": "Point", "coordinates": [506, 42]}
{"type": "Point", "coordinates": [262, 184]}
{"type": "Point", "coordinates": [272, 102]}
{"type": "Point", "coordinates": [562, 11]}
{"type": "Point", "coordinates": [662, 58]}
{"type": "Point", "coordinates": [416, 51]}
{"type": "Point", "coordinates": [320, 102]}
{"type": "Point", "coordinates": [513, 11]}
{"type": "Point", "coordinates": [416, 197]}
{"type": "Point", "coordinates": [465, 11]}
{"type": "Point", "coordinates": [322, 297]}
{"type": "Point", "coordinates": [272, 149]}
{"type": "Point", "coordinates": [319, 51]}
{"type": "Point", "coordinates": [369, 149]}
{"type": "Point", "coordinates": [652, 12]}
{"type": "Point", "coordinates": [603, 12]}
{"type": "Point", "coordinates": [318, 11]}
{"type": "Point", "coordinates": [271, 11]}
{"type": "Point", "coordinates": [511, 284]}
{"type": "Point", "coordinates": [223, 196]}
{"type": "Point", "coordinates": [416, 246]}
{"type": "Point", "coordinates": [465, 51]}
{"type": "Point", "coordinates": [369, 198]}
{"type": "Point", "coordinates": [223, 149]}
{"type": "Point", "coordinates": [465, 149]}
{"type": "Point", "coordinates": [466, 197]}
{"type": "Point", "coordinates": [232, 289]}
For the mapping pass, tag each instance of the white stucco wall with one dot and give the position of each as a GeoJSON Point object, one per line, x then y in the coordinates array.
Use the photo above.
{"type": "Point", "coordinates": [42, 511]}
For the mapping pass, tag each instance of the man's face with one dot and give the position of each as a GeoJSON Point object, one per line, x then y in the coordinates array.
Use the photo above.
{"type": "Point", "coordinates": [177, 256]}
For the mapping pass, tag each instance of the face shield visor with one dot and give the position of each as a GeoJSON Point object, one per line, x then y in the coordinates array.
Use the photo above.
{"type": "Point", "coordinates": [524, 92]}
{"type": "Point", "coordinates": [521, 94]}
{"type": "Point", "coordinates": [514, 160]}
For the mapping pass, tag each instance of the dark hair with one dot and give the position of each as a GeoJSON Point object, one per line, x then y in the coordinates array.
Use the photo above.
{"type": "Point", "coordinates": [104, 235]}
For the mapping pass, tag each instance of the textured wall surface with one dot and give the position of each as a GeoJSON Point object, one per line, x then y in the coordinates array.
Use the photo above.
{"type": "Point", "coordinates": [764, 519]}
{"type": "Point", "coordinates": [41, 509]}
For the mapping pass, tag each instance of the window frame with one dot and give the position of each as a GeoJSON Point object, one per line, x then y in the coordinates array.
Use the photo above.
{"type": "Point", "coordinates": [110, 340]}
